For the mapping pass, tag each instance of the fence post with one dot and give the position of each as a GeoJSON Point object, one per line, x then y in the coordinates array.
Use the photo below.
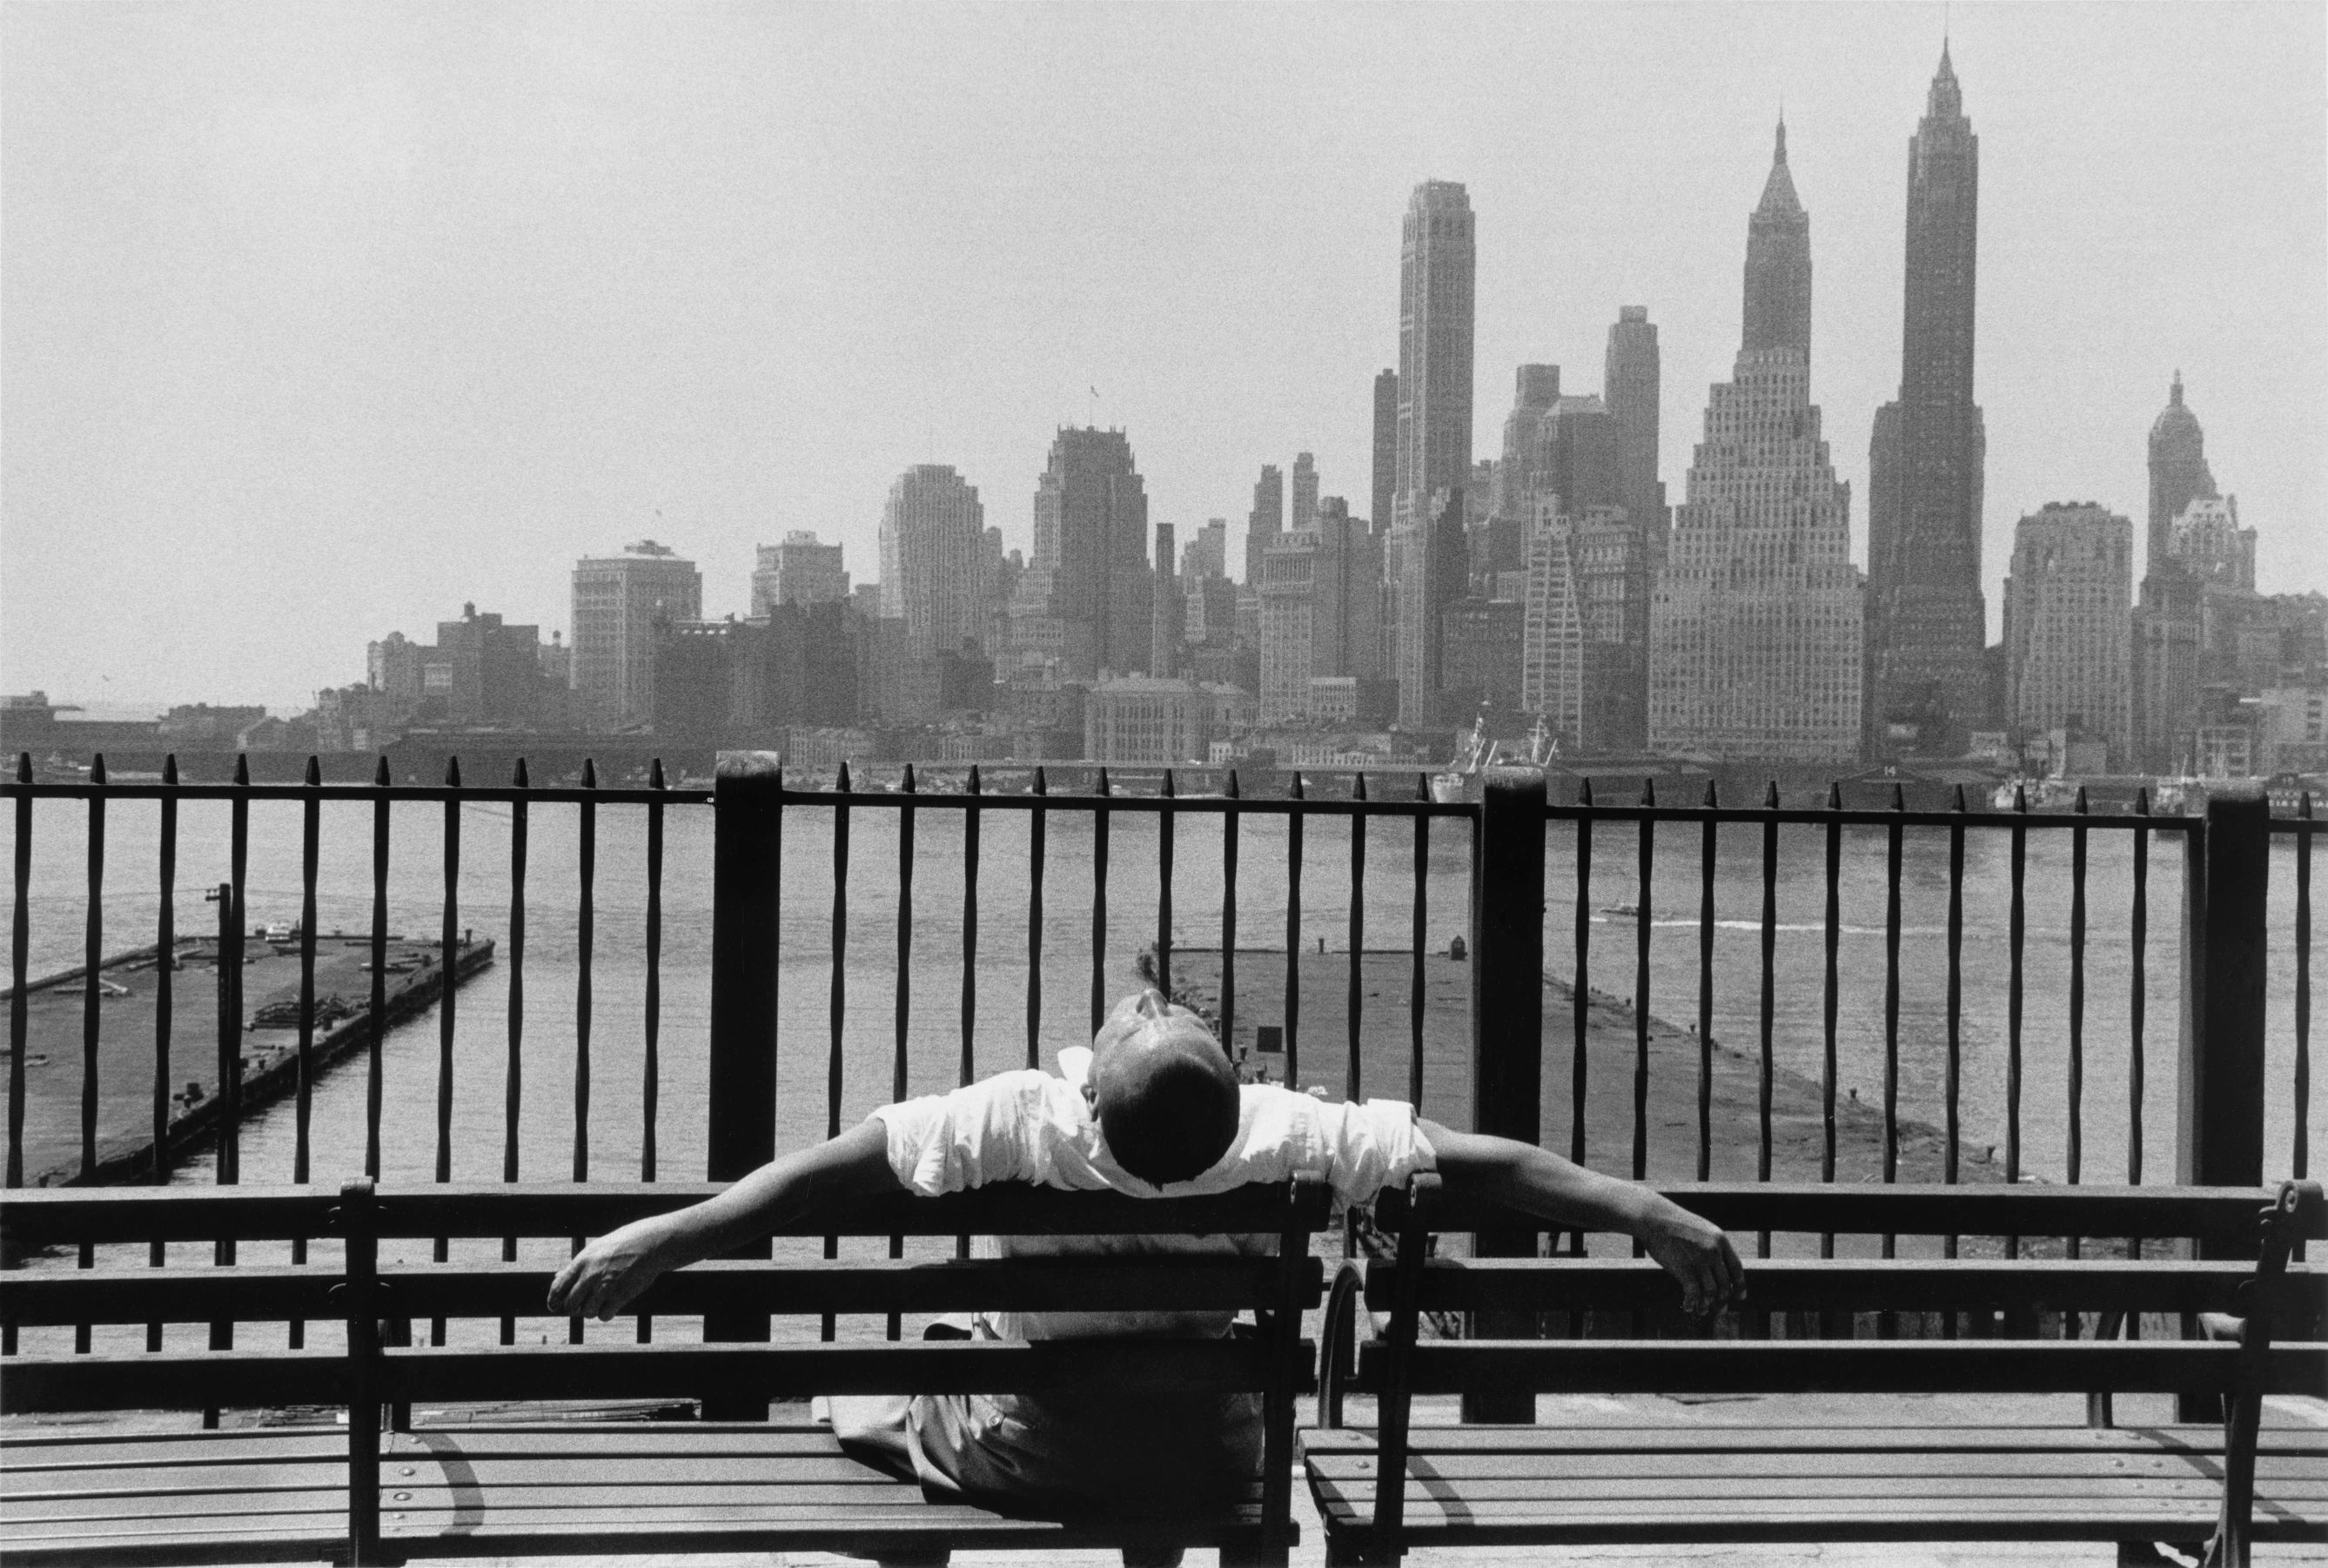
{"type": "Point", "coordinates": [2221, 1080]}
{"type": "Point", "coordinates": [746, 857]}
{"type": "Point", "coordinates": [1508, 1022]}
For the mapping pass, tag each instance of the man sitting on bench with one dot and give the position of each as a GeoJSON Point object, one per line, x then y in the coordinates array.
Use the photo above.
{"type": "Point", "coordinates": [1152, 1108]}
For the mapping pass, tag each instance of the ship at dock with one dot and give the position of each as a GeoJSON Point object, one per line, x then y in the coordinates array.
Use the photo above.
{"type": "Point", "coordinates": [147, 1059]}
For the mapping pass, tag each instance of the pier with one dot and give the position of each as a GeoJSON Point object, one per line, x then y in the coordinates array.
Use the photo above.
{"type": "Point", "coordinates": [128, 988]}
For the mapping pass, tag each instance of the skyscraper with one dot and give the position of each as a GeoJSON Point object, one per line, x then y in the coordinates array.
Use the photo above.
{"type": "Point", "coordinates": [799, 571]}
{"type": "Point", "coordinates": [1630, 390]}
{"type": "Point", "coordinates": [1264, 522]}
{"type": "Point", "coordinates": [2178, 473]}
{"type": "Point", "coordinates": [1437, 267]}
{"type": "Point", "coordinates": [1168, 612]}
{"type": "Point", "coordinates": [1927, 619]}
{"type": "Point", "coordinates": [1091, 553]}
{"type": "Point", "coordinates": [1305, 492]}
{"type": "Point", "coordinates": [1755, 625]}
{"type": "Point", "coordinates": [618, 601]}
{"type": "Point", "coordinates": [1386, 449]}
{"type": "Point", "coordinates": [1535, 389]}
{"type": "Point", "coordinates": [2066, 647]}
{"type": "Point", "coordinates": [1207, 554]}
{"type": "Point", "coordinates": [932, 561]}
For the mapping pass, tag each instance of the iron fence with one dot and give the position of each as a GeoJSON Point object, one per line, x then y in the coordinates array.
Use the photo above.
{"type": "Point", "coordinates": [2223, 936]}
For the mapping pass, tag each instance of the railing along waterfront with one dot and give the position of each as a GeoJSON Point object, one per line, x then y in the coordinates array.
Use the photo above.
{"type": "Point", "coordinates": [2217, 1052]}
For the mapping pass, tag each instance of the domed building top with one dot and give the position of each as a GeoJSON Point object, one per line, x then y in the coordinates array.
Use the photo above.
{"type": "Point", "coordinates": [2175, 421]}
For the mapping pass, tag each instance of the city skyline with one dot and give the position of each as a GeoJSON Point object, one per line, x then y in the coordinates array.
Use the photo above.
{"type": "Point", "coordinates": [160, 442]}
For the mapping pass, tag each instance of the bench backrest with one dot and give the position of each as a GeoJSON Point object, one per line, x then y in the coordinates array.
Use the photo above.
{"type": "Point", "coordinates": [2268, 1296]}
{"type": "Point", "coordinates": [348, 1283]}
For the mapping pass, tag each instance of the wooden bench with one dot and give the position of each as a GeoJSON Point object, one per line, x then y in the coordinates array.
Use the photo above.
{"type": "Point", "coordinates": [362, 1495]}
{"type": "Point", "coordinates": [1890, 1480]}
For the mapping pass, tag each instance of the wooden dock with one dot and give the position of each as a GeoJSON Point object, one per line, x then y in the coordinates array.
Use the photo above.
{"type": "Point", "coordinates": [127, 1056]}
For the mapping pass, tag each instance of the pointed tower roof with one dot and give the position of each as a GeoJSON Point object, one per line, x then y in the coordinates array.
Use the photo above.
{"type": "Point", "coordinates": [1778, 198]}
{"type": "Point", "coordinates": [1946, 99]}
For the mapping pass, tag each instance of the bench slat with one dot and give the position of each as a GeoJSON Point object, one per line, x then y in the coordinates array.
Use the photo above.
{"type": "Point", "coordinates": [1865, 1285]}
{"type": "Point", "coordinates": [2226, 1214]}
{"type": "Point", "coordinates": [280, 1292]}
{"type": "Point", "coordinates": [193, 1380]}
{"type": "Point", "coordinates": [556, 1371]}
{"type": "Point", "coordinates": [1851, 1366]}
{"type": "Point", "coordinates": [1811, 1439]}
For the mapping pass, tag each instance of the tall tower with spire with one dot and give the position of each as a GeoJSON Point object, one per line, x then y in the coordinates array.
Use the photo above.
{"type": "Point", "coordinates": [1778, 263]}
{"type": "Point", "coordinates": [2178, 473]}
{"type": "Point", "coordinates": [1755, 623]}
{"type": "Point", "coordinates": [1927, 620]}
{"type": "Point", "coordinates": [1437, 268]}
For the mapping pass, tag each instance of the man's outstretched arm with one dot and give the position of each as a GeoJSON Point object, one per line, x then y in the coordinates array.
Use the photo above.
{"type": "Point", "coordinates": [608, 1274]}
{"type": "Point", "coordinates": [1539, 1182]}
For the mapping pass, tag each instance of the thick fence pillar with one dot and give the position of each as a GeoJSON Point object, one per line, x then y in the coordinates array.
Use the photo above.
{"type": "Point", "coordinates": [747, 860]}
{"type": "Point", "coordinates": [2221, 1076]}
{"type": "Point", "coordinates": [1507, 1021]}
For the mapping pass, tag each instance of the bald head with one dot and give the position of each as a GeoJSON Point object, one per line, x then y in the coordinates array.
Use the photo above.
{"type": "Point", "coordinates": [1164, 1092]}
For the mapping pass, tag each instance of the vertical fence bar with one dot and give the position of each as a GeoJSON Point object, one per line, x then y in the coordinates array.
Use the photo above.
{"type": "Point", "coordinates": [376, 1025]}
{"type": "Point", "coordinates": [1037, 833]}
{"type": "Point", "coordinates": [1415, 966]}
{"type": "Point", "coordinates": [2017, 937]}
{"type": "Point", "coordinates": [1953, 1088]}
{"type": "Point", "coordinates": [1164, 826]}
{"type": "Point", "coordinates": [310, 851]}
{"type": "Point", "coordinates": [1888, 1324]}
{"type": "Point", "coordinates": [1707, 853]}
{"type": "Point", "coordinates": [837, 1004]}
{"type": "Point", "coordinates": [747, 797]}
{"type": "Point", "coordinates": [2300, 1156]}
{"type": "Point", "coordinates": [1580, 999]}
{"type": "Point", "coordinates": [1507, 1021]}
{"type": "Point", "coordinates": [1230, 821]}
{"type": "Point", "coordinates": [447, 962]}
{"type": "Point", "coordinates": [91, 1026]}
{"type": "Point", "coordinates": [19, 936]}
{"type": "Point", "coordinates": [1355, 992]}
{"type": "Point", "coordinates": [651, 1011]}
{"type": "Point", "coordinates": [93, 981]}
{"type": "Point", "coordinates": [904, 994]}
{"type": "Point", "coordinates": [1829, 997]}
{"type": "Point", "coordinates": [165, 952]}
{"type": "Point", "coordinates": [2074, 1147]}
{"type": "Point", "coordinates": [239, 881]}
{"type": "Point", "coordinates": [230, 1080]}
{"type": "Point", "coordinates": [1644, 878]}
{"type": "Point", "coordinates": [586, 944]}
{"type": "Point", "coordinates": [1098, 908]}
{"type": "Point", "coordinates": [969, 828]}
{"type": "Point", "coordinates": [1293, 825]}
{"type": "Point", "coordinates": [513, 1065]}
{"type": "Point", "coordinates": [1768, 1000]}
{"type": "Point", "coordinates": [2138, 997]}
{"type": "Point", "coordinates": [968, 1068]}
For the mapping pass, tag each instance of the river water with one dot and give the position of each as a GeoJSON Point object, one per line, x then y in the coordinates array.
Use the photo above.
{"type": "Point", "coordinates": [998, 969]}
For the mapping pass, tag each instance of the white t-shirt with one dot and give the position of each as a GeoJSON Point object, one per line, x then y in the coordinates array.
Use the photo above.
{"type": "Point", "coordinates": [1030, 1126]}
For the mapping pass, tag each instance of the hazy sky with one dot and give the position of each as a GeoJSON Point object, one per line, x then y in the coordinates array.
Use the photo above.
{"type": "Point", "coordinates": [317, 319]}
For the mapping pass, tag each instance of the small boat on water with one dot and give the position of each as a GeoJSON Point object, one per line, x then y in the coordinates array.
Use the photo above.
{"type": "Point", "coordinates": [1629, 911]}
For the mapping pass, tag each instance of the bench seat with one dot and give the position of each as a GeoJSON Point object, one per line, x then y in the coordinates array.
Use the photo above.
{"type": "Point", "coordinates": [279, 1494]}
{"type": "Point", "coordinates": [1489, 1486]}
